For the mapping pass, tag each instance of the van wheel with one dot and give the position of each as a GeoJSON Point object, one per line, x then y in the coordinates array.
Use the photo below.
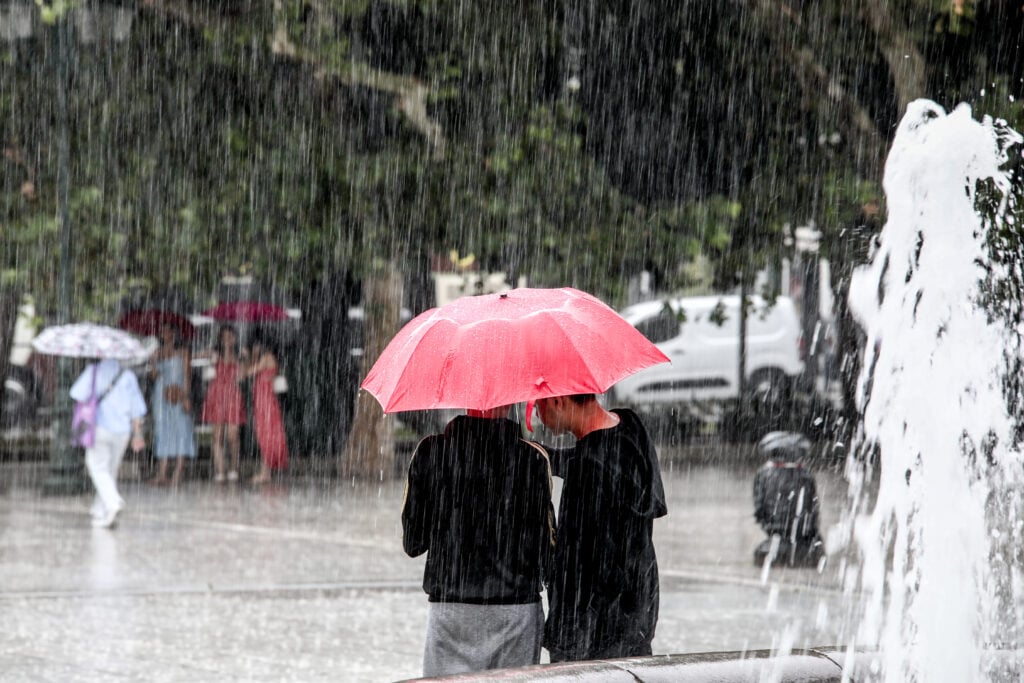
{"type": "Point", "coordinates": [768, 397]}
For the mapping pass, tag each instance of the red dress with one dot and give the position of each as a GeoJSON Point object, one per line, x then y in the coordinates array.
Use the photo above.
{"type": "Point", "coordinates": [269, 426]}
{"type": "Point", "coordinates": [223, 404]}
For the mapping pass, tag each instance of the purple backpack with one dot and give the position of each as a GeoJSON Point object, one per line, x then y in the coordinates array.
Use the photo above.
{"type": "Point", "coordinates": [83, 420]}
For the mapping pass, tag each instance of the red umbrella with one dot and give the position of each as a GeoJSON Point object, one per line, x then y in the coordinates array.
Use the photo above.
{"type": "Point", "coordinates": [148, 323]}
{"type": "Point", "coordinates": [480, 352]}
{"type": "Point", "coordinates": [247, 312]}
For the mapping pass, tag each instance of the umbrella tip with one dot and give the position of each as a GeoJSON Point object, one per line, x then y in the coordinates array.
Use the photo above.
{"type": "Point", "coordinates": [503, 296]}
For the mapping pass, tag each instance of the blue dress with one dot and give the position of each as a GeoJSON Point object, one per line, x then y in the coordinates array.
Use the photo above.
{"type": "Point", "coordinates": [172, 426]}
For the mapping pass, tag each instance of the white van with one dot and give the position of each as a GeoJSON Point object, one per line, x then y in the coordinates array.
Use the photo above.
{"type": "Point", "coordinates": [701, 337]}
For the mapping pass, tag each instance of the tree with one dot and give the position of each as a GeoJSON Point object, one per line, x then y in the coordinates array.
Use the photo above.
{"type": "Point", "coordinates": [573, 142]}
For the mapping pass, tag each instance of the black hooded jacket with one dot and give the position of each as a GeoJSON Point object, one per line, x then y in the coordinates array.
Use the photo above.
{"type": "Point", "coordinates": [478, 502]}
{"type": "Point", "coordinates": [786, 501]}
{"type": "Point", "coordinates": [603, 585]}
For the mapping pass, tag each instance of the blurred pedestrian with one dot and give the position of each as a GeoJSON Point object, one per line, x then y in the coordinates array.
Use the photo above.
{"type": "Point", "coordinates": [603, 585]}
{"type": "Point", "coordinates": [478, 502]}
{"type": "Point", "coordinates": [786, 502]}
{"type": "Point", "coordinates": [223, 407]}
{"type": "Point", "coordinates": [173, 429]}
{"type": "Point", "coordinates": [119, 420]}
{"type": "Point", "coordinates": [269, 425]}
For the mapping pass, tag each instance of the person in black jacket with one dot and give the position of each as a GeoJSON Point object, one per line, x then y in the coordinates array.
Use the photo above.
{"type": "Point", "coordinates": [786, 503]}
{"type": "Point", "coordinates": [478, 502]}
{"type": "Point", "coordinates": [603, 584]}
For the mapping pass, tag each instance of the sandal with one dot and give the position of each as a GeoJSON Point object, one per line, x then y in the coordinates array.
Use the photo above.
{"type": "Point", "coordinates": [232, 475]}
{"type": "Point", "coordinates": [218, 479]}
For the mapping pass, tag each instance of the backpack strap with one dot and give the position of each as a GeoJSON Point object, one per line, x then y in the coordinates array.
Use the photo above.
{"type": "Point", "coordinates": [425, 443]}
{"type": "Point", "coordinates": [547, 464]}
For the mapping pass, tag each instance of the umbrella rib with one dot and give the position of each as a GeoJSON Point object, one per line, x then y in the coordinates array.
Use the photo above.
{"type": "Point", "coordinates": [583, 360]}
{"type": "Point", "coordinates": [417, 343]}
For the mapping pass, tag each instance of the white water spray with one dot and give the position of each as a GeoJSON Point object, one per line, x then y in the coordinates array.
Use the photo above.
{"type": "Point", "coordinates": [940, 567]}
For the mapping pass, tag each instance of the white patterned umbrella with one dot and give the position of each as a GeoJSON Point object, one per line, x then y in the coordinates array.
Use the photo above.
{"type": "Point", "coordinates": [88, 340]}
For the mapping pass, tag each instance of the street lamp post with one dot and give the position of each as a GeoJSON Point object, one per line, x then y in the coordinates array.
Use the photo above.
{"type": "Point", "coordinates": [96, 23]}
{"type": "Point", "coordinates": [808, 241]}
{"type": "Point", "coordinates": [65, 475]}
{"type": "Point", "coordinates": [19, 22]}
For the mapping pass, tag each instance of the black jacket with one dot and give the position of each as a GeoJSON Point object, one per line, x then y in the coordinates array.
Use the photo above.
{"type": "Point", "coordinates": [478, 502]}
{"type": "Point", "coordinates": [786, 500]}
{"type": "Point", "coordinates": [603, 586]}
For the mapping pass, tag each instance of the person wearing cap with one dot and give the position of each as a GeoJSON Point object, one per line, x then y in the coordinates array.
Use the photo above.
{"type": "Point", "coordinates": [603, 588]}
{"type": "Point", "coordinates": [478, 503]}
{"type": "Point", "coordinates": [786, 502]}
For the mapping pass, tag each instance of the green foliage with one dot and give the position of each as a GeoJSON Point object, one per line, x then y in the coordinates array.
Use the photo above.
{"type": "Point", "coordinates": [283, 139]}
{"type": "Point", "coordinates": [52, 12]}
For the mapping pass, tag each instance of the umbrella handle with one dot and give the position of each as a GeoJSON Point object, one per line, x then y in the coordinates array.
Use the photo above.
{"type": "Point", "coordinates": [529, 415]}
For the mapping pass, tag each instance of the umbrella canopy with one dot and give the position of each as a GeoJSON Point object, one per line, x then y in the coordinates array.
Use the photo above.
{"type": "Point", "coordinates": [247, 312]}
{"type": "Point", "coordinates": [498, 349]}
{"type": "Point", "coordinates": [87, 340]}
{"type": "Point", "coordinates": [147, 323]}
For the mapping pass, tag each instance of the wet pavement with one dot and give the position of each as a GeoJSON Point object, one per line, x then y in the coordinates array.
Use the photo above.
{"type": "Point", "coordinates": [306, 580]}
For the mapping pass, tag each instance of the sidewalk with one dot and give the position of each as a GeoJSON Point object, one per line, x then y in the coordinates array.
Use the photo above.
{"type": "Point", "coordinates": [307, 581]}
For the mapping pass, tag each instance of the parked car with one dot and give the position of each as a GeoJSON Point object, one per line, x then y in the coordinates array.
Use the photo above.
{"type": "Point", "coordinates": [701, 337]}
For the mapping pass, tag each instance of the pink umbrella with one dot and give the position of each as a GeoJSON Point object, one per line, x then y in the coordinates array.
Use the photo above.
{"type": "Point", "coordinates": [149, 321]}
{"type": "Point", "coordinates": [485, 351]}
{"type": "Point", "coordinates": [247, 312]}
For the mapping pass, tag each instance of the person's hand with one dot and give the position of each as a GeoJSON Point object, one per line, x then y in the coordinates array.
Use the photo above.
{"type": "Point", "coordinates": [138, 443]}
{"type": "Point", "coordinates": [186, 405]}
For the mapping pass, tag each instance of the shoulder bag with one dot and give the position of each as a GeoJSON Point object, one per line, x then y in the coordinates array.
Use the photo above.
{"type": "Point", "coordinates": [83, 420]}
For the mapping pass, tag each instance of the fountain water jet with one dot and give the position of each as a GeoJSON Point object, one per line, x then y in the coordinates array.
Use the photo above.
{"type": "Point", "coordinates": [940, 567]}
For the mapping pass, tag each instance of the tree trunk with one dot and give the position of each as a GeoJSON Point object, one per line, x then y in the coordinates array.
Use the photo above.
{"type": "Point", "coordinates": [810, 318]}
{"type": "Point", "coordinates": [370, 450]}
{"type": "Point", "coordinates": [741, 380]}
{"type": "Point", "coordinates": [855, 248]}
{"type": "Point", "coordinates": [413, 97]}
{"type": "Point", "coordinates": [906, 65]}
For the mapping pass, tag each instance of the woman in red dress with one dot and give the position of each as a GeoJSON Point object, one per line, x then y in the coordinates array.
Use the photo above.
{"type": "Point", "coordinates": [266, 410]}
{"type": "Point", "coordinates": [223, 407]}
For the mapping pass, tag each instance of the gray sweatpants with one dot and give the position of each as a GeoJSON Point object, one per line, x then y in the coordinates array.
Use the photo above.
{"type": "Point", "coordinates": [463, 637]}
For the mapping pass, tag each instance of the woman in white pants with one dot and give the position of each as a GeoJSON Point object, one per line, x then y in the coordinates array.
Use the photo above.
{"type": "Point", "coordinates": [118, 423]}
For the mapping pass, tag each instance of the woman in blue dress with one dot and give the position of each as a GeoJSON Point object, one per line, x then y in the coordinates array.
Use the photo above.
{"type": "Point", "coordinates": [170, 367]}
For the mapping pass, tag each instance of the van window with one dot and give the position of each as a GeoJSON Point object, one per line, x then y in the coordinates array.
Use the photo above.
{"type": "Point", "coordinates": [660, 328]}
{"type": "Point", "coordinates": [726, 328]}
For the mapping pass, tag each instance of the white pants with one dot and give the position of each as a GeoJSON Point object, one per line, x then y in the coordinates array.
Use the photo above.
{"type": "Point", "coordinates": [103, 460]}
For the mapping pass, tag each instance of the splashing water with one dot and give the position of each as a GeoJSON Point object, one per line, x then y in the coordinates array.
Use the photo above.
{"type": "Point", "coordinates": [940, 567]}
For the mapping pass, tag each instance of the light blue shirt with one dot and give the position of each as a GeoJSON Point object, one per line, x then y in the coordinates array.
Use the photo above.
{"type": "Point", "coordinates": [122, 404]}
